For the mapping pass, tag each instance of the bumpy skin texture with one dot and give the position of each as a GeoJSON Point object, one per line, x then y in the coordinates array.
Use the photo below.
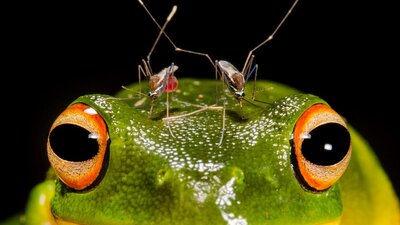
{"type": "Point", "coordinates": [153, 178]}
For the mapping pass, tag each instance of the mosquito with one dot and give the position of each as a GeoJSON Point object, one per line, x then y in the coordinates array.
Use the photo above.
{"type": "Point", "coordinates": [235, 80]}
{"type": "Point", "coordinates": [163, 81]}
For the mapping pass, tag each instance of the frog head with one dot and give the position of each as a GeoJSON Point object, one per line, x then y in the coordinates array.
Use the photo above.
{"type": "Point", "coordinates": [278, 163]}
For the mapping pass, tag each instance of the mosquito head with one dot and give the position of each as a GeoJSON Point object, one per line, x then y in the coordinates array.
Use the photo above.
{"type": "Point", "coordinates": [239, 95]}
{"type": "Point", "coordinates": [156, 85]}
{"type": "Point", "coordinates": [153, 94]}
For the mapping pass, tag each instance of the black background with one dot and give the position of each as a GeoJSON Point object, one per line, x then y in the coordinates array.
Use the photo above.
{"type": "Point", "coordinates": [344, 51]}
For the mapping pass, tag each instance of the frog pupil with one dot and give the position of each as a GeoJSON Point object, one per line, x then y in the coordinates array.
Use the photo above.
{"type": "Point", "coordinates": [73, 143]}
{"type": "Point", "coordinates": [327, 144]}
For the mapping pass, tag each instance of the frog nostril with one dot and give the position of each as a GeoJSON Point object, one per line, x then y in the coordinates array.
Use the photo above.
{"type": "Point", "coordinates": [73, 143]}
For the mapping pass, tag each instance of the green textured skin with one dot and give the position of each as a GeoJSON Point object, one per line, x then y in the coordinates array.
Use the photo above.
{"type": "Point", "coordinates": [153, 178]}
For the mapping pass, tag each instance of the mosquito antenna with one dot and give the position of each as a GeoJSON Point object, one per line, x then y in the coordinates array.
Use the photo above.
{"type": "Point", "coordinates": [254, 104]}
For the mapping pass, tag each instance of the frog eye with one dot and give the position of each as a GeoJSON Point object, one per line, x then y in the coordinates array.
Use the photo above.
{"type": "Point", "coordinates": [77, 146]}
{"type": "Point", "coordinates": [322, 147]}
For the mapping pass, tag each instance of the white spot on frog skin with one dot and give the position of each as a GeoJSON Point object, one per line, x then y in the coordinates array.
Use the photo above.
{"type": "Point", "coordinates": [90, 111]}
{"type": "Point", "coordinates": [226, 194]}
{"type": "Point", "coordinates": [201, 190]}
{"type": "Point", "coordinates": [196, 83]}
{"type": "Point", "coordinates": [226, 197]}
{"type": "Point", "coordinates": [103, 104]}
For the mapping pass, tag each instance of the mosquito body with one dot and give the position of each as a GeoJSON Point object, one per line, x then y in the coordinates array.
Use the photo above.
{"type": "Point", "coordinates": [163, 81]}
{"type": "Point", "coordinates": [234, 79]}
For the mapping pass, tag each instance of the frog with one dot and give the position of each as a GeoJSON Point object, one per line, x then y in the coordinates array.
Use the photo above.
{"type": "Point", "coordinates": [289, 160]}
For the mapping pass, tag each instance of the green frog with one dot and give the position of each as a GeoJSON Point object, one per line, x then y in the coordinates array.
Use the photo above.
{"type": "Point", "coordinates": [287, 159]}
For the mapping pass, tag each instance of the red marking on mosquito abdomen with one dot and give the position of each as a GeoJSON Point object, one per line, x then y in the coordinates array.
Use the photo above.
{"type": "Point", "coordinates": [172, 84]}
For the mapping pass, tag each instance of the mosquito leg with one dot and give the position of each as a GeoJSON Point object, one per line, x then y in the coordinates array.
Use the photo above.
{"type": "Point", "coordinates": [223, 108]}
{"type": "Point", "coordinates": [153, 99]}
{"type": "Point", "coordinates": [168, 125]}
{"type": "Point", "coordinates": [253, 95]}
{"type": "Point", "coordinates": [223, 126]}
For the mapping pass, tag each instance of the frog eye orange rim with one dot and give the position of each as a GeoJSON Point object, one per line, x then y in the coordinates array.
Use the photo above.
{"type": "Point", "coordinates": [77, 146]}
{"type": "Point", "coordinates": [321, 147]}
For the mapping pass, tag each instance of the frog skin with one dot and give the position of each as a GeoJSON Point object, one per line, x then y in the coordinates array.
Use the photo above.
{"type": "Point", "coordinates": [262, 173]}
